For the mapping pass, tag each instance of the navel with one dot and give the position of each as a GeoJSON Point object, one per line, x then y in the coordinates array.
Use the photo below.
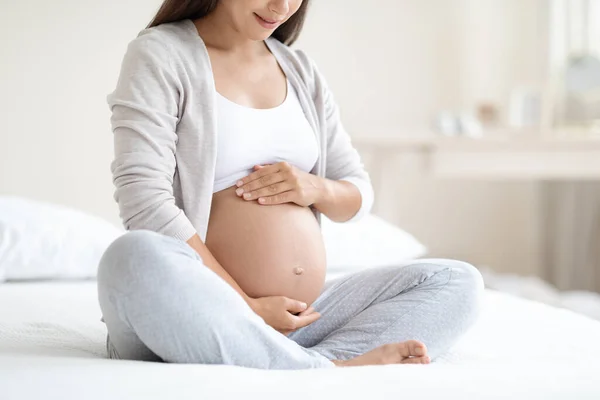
{"type": "Point", "coordinates": [298, 271]}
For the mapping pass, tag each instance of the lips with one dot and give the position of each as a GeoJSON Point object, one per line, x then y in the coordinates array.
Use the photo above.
{"type": "Point", "coordinates": [267, 22]}
{"type": "Point", "coordinates": [270, 21]}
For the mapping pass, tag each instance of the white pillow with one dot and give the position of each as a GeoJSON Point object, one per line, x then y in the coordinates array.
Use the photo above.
{"type": "Point", "coordinates": [369, 242]}
{"type": "Point", "coordinates": [41, 240]}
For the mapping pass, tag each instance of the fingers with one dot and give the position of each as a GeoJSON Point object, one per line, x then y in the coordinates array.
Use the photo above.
{"type": "Point", "coordinates": [260, 172]}
{"type": "Point", "coordinates": [281, 198]}
{"type": "Point", "coordinates": [271, 185]}
{"type": "Point", "coordinates": [262, 182]}
{"type": "Point", "coordinates": [294, 306]}
{"type": "Point", "coordinates": [309, 310]}
{"type": "Point", "coordinates": [266, 191]}
{"type": "Point", "coordinates": [302, 321]}
{"type": "Point", "coordinates": [298, 319]}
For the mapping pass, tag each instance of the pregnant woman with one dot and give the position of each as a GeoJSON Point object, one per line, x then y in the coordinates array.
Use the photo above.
{"type": "Point", "coordinates": [228, 148]}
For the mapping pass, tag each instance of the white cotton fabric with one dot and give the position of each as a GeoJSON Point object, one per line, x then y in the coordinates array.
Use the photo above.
{"type": "Point", "coordinates": [51, 334]}
{"type": "Point", "coordinates": [248, 136]}
{"type": "Point", "coordinates": [43, 240]}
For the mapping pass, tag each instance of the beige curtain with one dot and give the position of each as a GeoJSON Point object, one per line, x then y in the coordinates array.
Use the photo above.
{"type": "Point", "coordinates": [571, 220]}
{"type": "Point", "coordinates": [571, 210]}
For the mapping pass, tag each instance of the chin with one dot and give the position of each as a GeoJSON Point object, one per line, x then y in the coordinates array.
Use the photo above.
{"type": "Point", "coordinates": [260, 36]}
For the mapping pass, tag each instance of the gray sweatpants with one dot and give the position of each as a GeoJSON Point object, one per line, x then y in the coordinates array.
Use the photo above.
{"type": "Point", "coordinates": [160, 303]}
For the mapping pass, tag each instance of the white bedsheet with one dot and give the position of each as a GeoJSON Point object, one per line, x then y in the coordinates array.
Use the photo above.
{"type": "Point", "coordinates": [52, 347]}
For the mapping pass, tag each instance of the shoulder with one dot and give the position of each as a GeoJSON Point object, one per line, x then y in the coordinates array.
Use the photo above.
{"type": "Point", "coordinates": [299, 61]}
{"type": "Point", "coordinates": [166, 42]}
{"type": "Point", "coordinates": [313, 80]}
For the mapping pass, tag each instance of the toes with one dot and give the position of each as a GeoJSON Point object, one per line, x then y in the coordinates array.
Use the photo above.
{"type": "Point", "coordinates": [416, 360]}
{"type": "Point", "coordinates": [412, 348]}
{"type": "Point", "coordinates": [417, 348]}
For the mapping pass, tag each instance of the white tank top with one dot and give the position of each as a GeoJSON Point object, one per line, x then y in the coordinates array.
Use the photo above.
{"type": "Point", "coordinates": [248, 136]}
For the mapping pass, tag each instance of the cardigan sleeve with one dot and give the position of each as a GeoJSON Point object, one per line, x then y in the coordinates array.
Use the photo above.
{"type": "Point", "coordinates": [145, 108]}
{"type": "Point", "coordinates": [343, 161]}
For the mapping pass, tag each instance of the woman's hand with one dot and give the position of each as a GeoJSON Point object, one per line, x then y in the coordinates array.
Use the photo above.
{"type": "Point", "coordinates": [278, 312]}
{"type": "Point", "coordinates": [281, 183]}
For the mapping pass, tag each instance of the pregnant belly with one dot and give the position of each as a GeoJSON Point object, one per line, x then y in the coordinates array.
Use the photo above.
{"type": "Point", "coordinates": [268, 250]}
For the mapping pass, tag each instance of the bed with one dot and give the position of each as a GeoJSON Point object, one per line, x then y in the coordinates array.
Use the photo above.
{"type": "Point", "coordinates": [52, 346]}
{"type": "Point", "coordinates": [52, 342]}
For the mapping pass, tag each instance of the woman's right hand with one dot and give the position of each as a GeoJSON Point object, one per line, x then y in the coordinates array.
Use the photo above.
{"type": "Point", "coordinates": [284, 314]}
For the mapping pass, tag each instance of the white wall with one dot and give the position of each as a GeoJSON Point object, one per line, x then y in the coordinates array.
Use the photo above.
{"type": "Point", "coordinates": [59, 61]}
{"type": "Point", "coordinates": [395, 65]}
{"type": "Point", "coordinates": [391, 63]}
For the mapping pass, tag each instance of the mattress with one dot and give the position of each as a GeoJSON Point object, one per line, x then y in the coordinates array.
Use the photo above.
{"type": "Point", "coordinates": [52, 347]}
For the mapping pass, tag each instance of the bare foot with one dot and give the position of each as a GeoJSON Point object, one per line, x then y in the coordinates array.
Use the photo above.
{"type": "Point", "coordinates": [409, 352]}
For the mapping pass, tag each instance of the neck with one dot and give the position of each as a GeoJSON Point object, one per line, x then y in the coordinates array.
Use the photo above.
{"type": "Point", "coordinates": [219, 32]}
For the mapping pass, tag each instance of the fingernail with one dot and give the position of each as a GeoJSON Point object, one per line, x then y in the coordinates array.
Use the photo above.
{"type": "Point", "coordinates": [239, 183]}
{"type": "Point", "coordinates": [303, 305]}
{"type": "Point", "coordinates": [239, 191]}
{"type": "Point", "coordinates": [261, 200]}
{"type": "Point", "coordinates": [246, 195]}
{"type": "Point", "coordinates": [419, 351]}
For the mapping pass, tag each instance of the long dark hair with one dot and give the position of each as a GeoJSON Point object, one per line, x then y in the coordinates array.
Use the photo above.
{"type": "Point", "coordinates": [177, 10]}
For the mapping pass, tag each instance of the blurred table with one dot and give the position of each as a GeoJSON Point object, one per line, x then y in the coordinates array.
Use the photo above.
{"type": "Point", "coordinates": [498, 156]}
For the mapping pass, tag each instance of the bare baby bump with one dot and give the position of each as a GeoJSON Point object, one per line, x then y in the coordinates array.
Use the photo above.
{"type": "Point", "coordinates": [268, 250]}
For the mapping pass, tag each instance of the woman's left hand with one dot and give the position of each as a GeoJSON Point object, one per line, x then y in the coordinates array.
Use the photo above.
{"type": "Point", "coordinates": [280, 183]}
